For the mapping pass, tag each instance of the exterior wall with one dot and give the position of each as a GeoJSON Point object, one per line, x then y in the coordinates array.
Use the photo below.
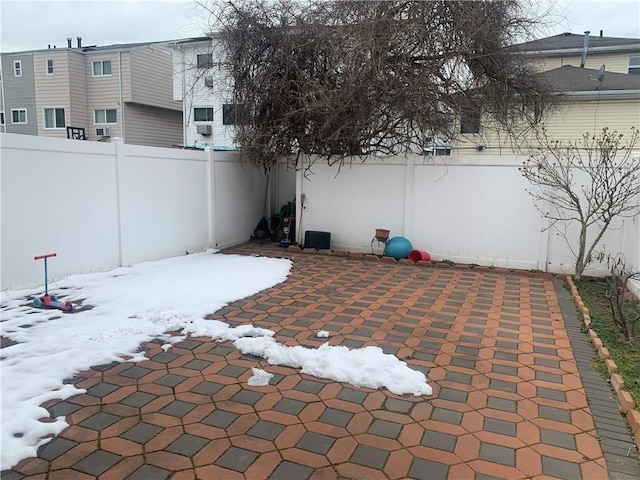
{"type": "Point", "coordinates": [158, 127]}
{"type": "Point", "coordinates": [52, 91]}
{"type": "Point", "coordinates": [19, 92]}
{"type": "Point", "coordinates": [120, 204]}
{"type": "Point", "coordinates": [79, 115]}
{"type": "Point", "coordinates": [103, 92]}
{"type": "Point", "coordinates": [151, 78]}
{"type": "Point", "coordinates": [614, 62]}
{"type": "Point", "coordinates": [464, 209]}
{"type": "Point", "coordinates": [189, 85]}
{"type": "Point", "coordinates": [2, 128]}
{"type": "Point", "coordinates": [571, 119]}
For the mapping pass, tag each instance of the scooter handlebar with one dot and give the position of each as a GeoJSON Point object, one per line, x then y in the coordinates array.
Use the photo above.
{"type": "Point", "coordinates": [40, 257]}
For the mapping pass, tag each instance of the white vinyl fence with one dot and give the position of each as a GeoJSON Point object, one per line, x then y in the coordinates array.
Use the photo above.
{"type": "Point", "coordinates": [104, 205]}
{"type": "Point", "coordinates": [468, 209]}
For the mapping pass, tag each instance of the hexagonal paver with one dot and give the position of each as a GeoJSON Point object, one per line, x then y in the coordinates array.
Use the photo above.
{"type": "Point", "coordinates": [369, 456]}
{"type": "Point", "coordinates": [220, 418]}
{"type": "Point", "coordinates": [439, 440]}
{"type": "Point", "coordinates": [316, 442]}
{"type": "Point", "coordinates": [336, 417]}
{"type": "Point", "coordinates": [266, 430]}
{"type": "Point", "coordinates": [207, 388]}
{"type": "Point", "coordinates": [385, 428]}
{"type": "Point", "coordinates": [97, 462]}
{"type": "Point", "coordinates": [237, 459]}
{"type": "Point", "coordinates": [56, 447]}
{"type": "Point", "coordinates": [99, 421]}
{"type": "Point", "coordinates": [178, 408]}
{"type": "Point", "coordinates": [232, 371]}
{"type": "Point", "coordinates": [141, 432]}
{"type": "Point", "coordinates": [290, 406]}
{"type": "Point", "coordinates": [427, 470]}
{"type": "Point", "coordinates": [187, 445]}
{"type": "Point", "coordinates": [102, 389]}
{"type": "Point", "coordinates": [139, 399]}
{"type": "Point", "coordinates": [170, 380]}
{"type": "Point", "coordinates": [149, 472]}
{"type": "Point", "coordinates": [135, 372]}
{"type": "Point", "coordinates": [554, 467]}
{"type": "Point", "coordinates": [309, 386]}
{"type": "Point", "coordinates": [248, 397]}
{"type": "Point", "coordinates": [351, 395]}
{"type": "Point", "coordinates": [497, 454]}
{"type": "Point", "coordinates": [289, 470]}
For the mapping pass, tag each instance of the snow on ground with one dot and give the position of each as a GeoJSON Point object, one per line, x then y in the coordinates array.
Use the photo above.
{"type": "Point", "coordinates": [136, 304]}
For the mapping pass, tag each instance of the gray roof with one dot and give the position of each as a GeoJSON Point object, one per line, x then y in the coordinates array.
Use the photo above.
{"type": "Point", "coordinates": [572, 41]}
{"type": "Point", "coordinates": [575, 79]}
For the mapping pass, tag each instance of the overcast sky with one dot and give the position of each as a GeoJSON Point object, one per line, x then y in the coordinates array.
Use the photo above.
{"type": "Point", "coordinates": [28, 25]}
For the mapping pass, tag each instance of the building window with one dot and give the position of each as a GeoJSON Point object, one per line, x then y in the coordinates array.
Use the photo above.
{"type": "Point", "coordinates": [1, 118]}
{"type": "Point", "coordinates": [204, 60]}
{"type": "Point", "coordinates": [470, 119]}
{"type": "Point", "coordinates": [50, 66]}
{"type": "Point", "coordinates": [634, 65]}
{"type": "Point", "coordinates": [105, 116]}
{"type": "Point", "coordinates": [19, 115]}
{"type": "Point", "coordinates": [101, 69]}
{"type": "Point", "coordinates": [17, 68]}
{"type": "Point", "coordinates": [203, 114]}
{"type": "Point", "coordinates": [54, 118]}
{"type": "Point", "coordinates": [235, 114]}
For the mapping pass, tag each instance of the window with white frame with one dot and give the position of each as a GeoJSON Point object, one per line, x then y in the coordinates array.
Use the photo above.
{"type": "Point", "coordinates": [49, 66]}
{"type": "Point", "coordinates": [204, 60]}
{"type": "Point", "coordinates": [203, 114]}
{"type": "Point", "coordinates": [17, 68]}
{"type": "Point", "coordinates": [54, 118]}
{"type": "Point", "coordinates": [18, 115]}
{"type": "Point", "coordinates": [106, 116]}
{"type": "Point", "coordinates": [634, 65]}
{"type": "Point", "coordinates": [102, 68]}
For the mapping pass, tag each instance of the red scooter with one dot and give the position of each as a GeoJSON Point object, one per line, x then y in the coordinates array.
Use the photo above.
{"type": "Point", "coordinates": [50, 301]}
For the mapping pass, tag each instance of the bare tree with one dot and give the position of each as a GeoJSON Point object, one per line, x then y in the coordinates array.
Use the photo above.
{"type": "Point", "coordinates": [625, 309]}
{"type": "Point", "coordinates": [590, 182]}
{"type": "Point", "coordinates": [345, 78]}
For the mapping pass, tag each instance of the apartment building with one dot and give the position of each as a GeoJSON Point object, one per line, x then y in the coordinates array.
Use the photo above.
{"type": "Point", "coordinates": [108, 91]}
{"type": "Point", "coordinates": [206, 92]}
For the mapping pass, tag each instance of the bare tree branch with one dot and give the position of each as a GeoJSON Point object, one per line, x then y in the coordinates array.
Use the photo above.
{"type": "Point", "coordinates": [590, 181]}
{"type": "Point", "coordinates": [351, 78]}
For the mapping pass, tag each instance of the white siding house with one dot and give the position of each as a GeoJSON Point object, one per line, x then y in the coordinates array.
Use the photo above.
{"type": "Point", "coordinates": [199, 81]}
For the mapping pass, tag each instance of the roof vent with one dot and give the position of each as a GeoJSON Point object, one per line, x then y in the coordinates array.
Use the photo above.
{"type": "Point", "coordinates": [79, 39]}
{"type": "Point", "coordinates": [585, 48]}
{"type": "Point", "coordinates": [69, 42]}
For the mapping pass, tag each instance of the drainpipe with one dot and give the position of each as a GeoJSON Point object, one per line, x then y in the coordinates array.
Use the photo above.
{"type": "Point", "coordinates": [584, 50]}
{"type": "Point", "coordinates": [184, 111]}
{"type": "Point", "coordinates": [121, 97]}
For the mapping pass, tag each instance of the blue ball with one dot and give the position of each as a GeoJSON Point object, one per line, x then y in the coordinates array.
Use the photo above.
{"type": "Point", "coordinates": [398, 247]}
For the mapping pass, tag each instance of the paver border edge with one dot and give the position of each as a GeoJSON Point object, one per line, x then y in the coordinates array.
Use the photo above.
{"type": "Point", "coordinates": [624, 399]}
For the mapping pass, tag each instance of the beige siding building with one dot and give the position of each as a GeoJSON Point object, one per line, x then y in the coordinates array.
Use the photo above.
{"type": "Point", "coordinates": [113, 91]}
{"type": "Point", "coordinates": [589, 97]}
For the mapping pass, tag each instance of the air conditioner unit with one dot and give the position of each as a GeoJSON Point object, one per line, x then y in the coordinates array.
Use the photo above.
{"type": "Point", "coordinates": [205, 130]}
{"type": "Point", "coordinates": [103, 132]}
{"type": "Point", "coordinates": [208, 81]}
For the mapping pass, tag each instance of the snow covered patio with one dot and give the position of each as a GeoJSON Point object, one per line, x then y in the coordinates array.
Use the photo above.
{"type": "Point", "coordinates": [503, 353]}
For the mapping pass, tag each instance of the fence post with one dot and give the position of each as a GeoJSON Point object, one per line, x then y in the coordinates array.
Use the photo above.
{"type": "Point", "coordinates": [119, 145]}
{"type": "Point", "coordinates": [543, 246]}
{"type": "Point", "coordinates": [211, 197]}
{"type": "Point", "coordinates": [408, 197]}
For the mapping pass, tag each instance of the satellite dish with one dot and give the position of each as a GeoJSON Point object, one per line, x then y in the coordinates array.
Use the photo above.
{"type": "Point", "coordinates": [600, 76]}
